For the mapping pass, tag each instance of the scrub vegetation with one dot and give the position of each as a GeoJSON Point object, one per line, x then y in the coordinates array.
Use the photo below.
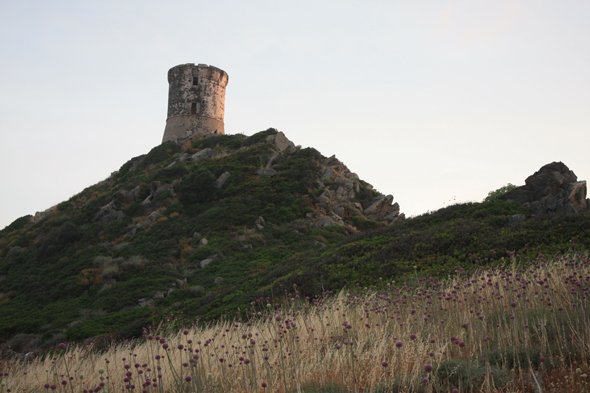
{"type": "Point", "coordinates": [97, 270]}
{"type": "Point", "coordinates": [513, 327]}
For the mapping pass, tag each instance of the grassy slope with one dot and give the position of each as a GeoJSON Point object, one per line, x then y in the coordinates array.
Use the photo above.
{"type": "Point", "coordinates": [55, 288]}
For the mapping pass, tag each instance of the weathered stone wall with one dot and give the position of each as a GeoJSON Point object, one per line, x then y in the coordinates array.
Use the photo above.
{"type": "Point", "coordinates": [196, 101]}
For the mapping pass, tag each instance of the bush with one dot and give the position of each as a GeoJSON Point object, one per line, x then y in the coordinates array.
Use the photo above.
{"type": "Point", "coordinates": [470, 375]}
{"type": "Point", "coordinates": [197, 290]}
{"type": "Point", "coordinates": [17, 224]}
{"type": "Point", "coordinates": [494, 196]}
{"type": "Point", "coordinates": [159, 154]}
{"type": "Point", "coordinates": [67, 205]}
{"type": "Point", "coordinates": [134, 262]}
{"type": "Point", "coordinates": [198, 187]}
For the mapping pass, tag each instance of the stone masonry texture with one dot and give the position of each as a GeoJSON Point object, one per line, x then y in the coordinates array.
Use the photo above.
{"type": "Point", "coordinates": [196, 101]}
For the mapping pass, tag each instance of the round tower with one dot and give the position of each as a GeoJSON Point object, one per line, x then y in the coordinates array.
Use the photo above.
{"type": "Point", "coordinates": [196, 101]}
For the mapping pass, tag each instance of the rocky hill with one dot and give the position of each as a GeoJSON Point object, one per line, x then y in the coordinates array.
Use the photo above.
{"type": "Point", "coordinates": [204, 228]}
{"type": "Point", "coordinates": [175, 225]}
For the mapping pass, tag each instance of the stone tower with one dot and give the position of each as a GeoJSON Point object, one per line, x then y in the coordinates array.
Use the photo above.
{"type": "Point", "coordinates": [196, 101]}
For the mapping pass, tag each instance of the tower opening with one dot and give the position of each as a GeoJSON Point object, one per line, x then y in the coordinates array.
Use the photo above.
{"type": "Point", "coordinates": [195, 81]}
{"type": "Point", "coordinates": [193, 108]}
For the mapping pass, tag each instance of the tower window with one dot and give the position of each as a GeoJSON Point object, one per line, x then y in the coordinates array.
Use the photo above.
{"type": "Point", "coordinates": [194, 108]}
{"type": "Point", "coordinates": [195, 81]}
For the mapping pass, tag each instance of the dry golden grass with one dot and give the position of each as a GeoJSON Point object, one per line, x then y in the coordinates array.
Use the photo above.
{"type": "Point", "coordinates": [497, 321]}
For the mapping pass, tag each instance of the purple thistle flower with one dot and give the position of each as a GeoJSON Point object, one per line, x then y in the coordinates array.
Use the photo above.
{"type": "Point", "coordinates": [461, 344]}
{"type": "Point", "coordinates": [188, 378]}
{"type": "Point", "coordinates": [425, 381]}
{"type": "Point", "coordinates": [398, 344]}
{"type": "Point", "coordinates": [385, 364]}
{"type": "Point", "coordinates": [412, 336]}
{"type": "Point", "coordinates": [428, 368]}
{"type": "Point", "coordinates": [264, 385]}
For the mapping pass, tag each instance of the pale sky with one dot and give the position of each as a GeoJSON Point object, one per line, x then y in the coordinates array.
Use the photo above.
{"type": "Point", "coordinates": [433, 102]}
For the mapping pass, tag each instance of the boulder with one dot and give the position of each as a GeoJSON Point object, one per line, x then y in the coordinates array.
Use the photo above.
{"type": "Point", "coordinates": [162, 189]}
{"type": "Point", "coordinates": [325, 200]}
{"type": "Point", "coordinates": [154, 216]}
{"type": "Point", "coordinates": [145, 302]}
{"type": "Point", "coordinates": [203, 154]}
{"type": "Point", "coordinates": [122, 197]}
{"type": "Point", "coordinates": [13, 250]}
{"type": "Point", "coordinates": [221, 179]}
{"type": "Point", "coordinates": [205, 262]}
{"type": "Point", "coordinates": [218, 280]}
{"type": "Point", "coordinates": [109, 213]}
{"type": "Point", "coordinates": [158, 295]}
{"type": "Point", "coordinates": [381, 209]}
{"type": "Point", "coordinates": [184, 157]}
{"type": "Point", "coordinates": [154, 187]}
{"type": "Point", "coordinates": [260, 223]}
{"type": "Point", "coordinates": [203, 242]}
{"type": "Point", "coordinates": [281, 141]}
{"type": "Point", "coordinates": [325, 222]}
{"type": "Point", "coordinates": [553, 189]}
{"type": "Point", "coordinates": [135, 192]}
{"type": "Point", "coordinates": [266, 172]}
{"type": "Point", "coordinates": [516, 218]}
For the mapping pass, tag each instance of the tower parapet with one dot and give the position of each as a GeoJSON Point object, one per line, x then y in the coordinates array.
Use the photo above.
{"type": "Point", "coordinates": [196, 101]}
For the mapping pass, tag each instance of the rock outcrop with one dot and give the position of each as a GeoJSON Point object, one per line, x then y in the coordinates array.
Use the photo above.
{"type": "Point", "coordinates": [553, 189]}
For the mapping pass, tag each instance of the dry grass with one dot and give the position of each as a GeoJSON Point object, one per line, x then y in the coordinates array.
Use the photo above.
{"type": "Point", "coordinates": [498, 321]}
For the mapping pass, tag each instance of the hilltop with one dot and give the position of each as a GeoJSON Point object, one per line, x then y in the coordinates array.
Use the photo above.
{"type": "Point", "coordinates": [207, 227]}
{"type": "Point", "coordinates": [172, 229]}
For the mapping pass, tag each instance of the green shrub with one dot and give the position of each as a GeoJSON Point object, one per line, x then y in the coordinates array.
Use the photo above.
{"type": "Point", "coordinates": [470, 375]}
{"type": "Point", "coordinates": [17, 224]}
{"type": "Point", "coordinates": [64, 206]}
{"type": "Point", "coordinates": [127, 166]}
{"type": "Point", "coordinates": [198, 187]}
{"type": "Point", "coordinates": [160, 153]}
{"type": "Point", "coordinates": [135, 209]}
{"type": "Point", "coordinates": [496, 195]}
{"type": "Point", "coordinates": [314, 387]}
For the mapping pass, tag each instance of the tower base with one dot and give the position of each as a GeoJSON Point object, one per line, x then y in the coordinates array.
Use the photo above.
{"type": "Point", "coordinates": [184, 126]}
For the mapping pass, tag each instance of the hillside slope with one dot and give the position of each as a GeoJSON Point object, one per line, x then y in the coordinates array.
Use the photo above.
{"type": "Point", "coordinates": [202, 230]}
{"type": "Point", "coordinates": [172, 229]}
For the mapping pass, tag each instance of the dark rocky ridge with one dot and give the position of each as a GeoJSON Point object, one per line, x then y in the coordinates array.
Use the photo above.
{"type": "Point", "coordinates": [553, 189]}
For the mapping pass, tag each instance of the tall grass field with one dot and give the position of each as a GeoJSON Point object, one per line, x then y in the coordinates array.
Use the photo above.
{"type": "Point", "coordinates": [522, 326]}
